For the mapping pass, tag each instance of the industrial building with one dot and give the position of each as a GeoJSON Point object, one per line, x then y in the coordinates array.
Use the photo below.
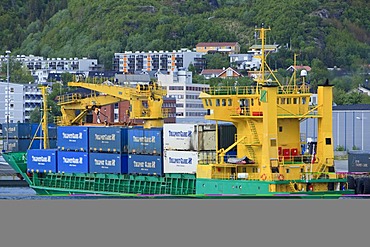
{"type": "Point", "coordinates": [350, 127]}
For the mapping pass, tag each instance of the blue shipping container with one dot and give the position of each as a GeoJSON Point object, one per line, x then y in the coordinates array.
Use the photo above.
{"type": "Point", "coordinates": [73, 138]}
{"type": "Point", "coordinates": [39, 144]}
{"type": "Point", "coordinates": [52, 130]}
{"type": "Point", "coordinates": [73, 162]}
{"type": "Point", "coordinates": [17, 130]}
{"type": "Point", "coordinates": [145, 164]}
{"type": "Point", "coordinates": [108, 163]}
{"type": "Point", "coordinates": [42, 160]}
{"type": "Point", "coordinates": [16, 145]}
{"type": "Point", "coordinates": [108, 139]}
{"type": "Point", "coordinates": [145, 141]}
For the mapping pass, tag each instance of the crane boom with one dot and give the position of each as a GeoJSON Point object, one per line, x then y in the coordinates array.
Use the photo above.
{"type": "Point", "coordinates": [145, 100]}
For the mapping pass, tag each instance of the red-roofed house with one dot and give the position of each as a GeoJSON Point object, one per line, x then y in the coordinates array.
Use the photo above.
{"type": "Point", "coordinates": [220, 73]}
{"type": "Point", "coordinates": [299, 67]}
{"type": "Point", "coordinates": [227, 47]}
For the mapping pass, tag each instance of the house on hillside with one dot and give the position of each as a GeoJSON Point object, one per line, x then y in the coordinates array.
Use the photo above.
{"type": "Point", "coordinates": [220, 73]}
{"type": "Point", "coordinates": [246, 61]}
{"type": "Point", "coordinates": [292, 68]}
{"type": "Point", "coordinates": [222, 47]}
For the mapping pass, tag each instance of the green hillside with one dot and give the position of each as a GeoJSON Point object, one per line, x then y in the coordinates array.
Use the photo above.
{"type": "Point", "coordinates": [335, 33]}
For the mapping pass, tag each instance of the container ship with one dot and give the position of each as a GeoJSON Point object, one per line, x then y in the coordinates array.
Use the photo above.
{"type": "Point", "coordinates": [262, 158]}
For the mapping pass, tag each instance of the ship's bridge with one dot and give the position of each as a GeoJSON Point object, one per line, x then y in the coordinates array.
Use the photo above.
{"type": "Point", "coordinates": [229, 103]}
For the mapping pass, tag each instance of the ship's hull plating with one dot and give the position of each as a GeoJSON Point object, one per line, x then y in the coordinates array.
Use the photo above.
{"type": "Point", "coordinates": [168, 186]}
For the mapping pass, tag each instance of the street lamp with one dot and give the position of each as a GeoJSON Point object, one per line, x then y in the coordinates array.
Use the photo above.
{"type": "Point", "coordinates": [8, 101]}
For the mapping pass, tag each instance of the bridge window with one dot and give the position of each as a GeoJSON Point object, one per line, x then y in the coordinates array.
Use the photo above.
{"type": "Point", "coordinates": [223, 102]}
{"type": "Point", "coordinates": [217, 102]}
{"type": "Point", "coordinates": [206, 102]}
{"type": "Point", "coordinates": [328, 141]}
{"type": "Point", "coordinates": [295, 101]}
{"type": "Point", "coordinates": [304, 100]}
{"type": "Point", "coordinates": [288, 101]}
{"type": "Point", "coordinates": [282, 101]}
{"type": "Point", "coordinates": [230, 102]}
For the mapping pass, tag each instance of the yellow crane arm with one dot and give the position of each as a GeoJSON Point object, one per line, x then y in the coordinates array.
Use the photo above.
{"type": "Point", "coordinates": [69, 105]}
{"type": "Point", "coordinates": [145, 100]}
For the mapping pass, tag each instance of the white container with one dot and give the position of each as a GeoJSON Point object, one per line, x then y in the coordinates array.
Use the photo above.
{"type": "Point", "coordinates": [185, 161]}
{"type": "Point", "coordinates": [190, 137]}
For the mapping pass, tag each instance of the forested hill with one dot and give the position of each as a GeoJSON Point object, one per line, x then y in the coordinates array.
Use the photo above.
{"type": "Point", "coordinates": [336, 32]}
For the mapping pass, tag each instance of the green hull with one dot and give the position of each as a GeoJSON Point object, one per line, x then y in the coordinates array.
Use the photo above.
{"type": "Point", "coordinates": [139, 186]}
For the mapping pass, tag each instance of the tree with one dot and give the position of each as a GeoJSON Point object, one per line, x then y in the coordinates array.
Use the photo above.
{"type": "Point", "coordinates": [217, 61]}
{"type": "Point", "coordinates": [35, 116]}
{"type": "Point", "coordinates": [17, 73]}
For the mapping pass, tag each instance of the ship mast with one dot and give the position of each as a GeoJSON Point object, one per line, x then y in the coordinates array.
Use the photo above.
{"type": "Point", "coordinates": [45, 117]}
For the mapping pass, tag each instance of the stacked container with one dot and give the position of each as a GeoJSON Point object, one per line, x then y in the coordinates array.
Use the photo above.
{"type": "Point", "coordinates": [186, 145]}
{"type": "Point", "coordinates": [37, 136]}
{"type": "Point", "coordinates": [73, 147]}
{"type": "Point", "coordinates": [145, 148]}
{"type": "Point", "coordinates": [18, 135]}
{"type": "Point", "coordinates": [43, 161]}
{"type": "Point", "coordinates": [24, 136]}
{"type": "Point", "coordinates": [108, 150]}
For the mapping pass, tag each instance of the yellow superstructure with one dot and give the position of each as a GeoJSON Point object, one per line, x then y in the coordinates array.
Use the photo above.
{"type": "Point", "coordinates": [267, 117]}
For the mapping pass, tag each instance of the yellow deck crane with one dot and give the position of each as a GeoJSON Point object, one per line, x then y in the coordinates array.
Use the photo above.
{"type": "Point", "coordinates": [145, 101]}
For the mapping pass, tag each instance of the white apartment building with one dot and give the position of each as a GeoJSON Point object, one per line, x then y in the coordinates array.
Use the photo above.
{"type": "Point", "coordinates": [158, 61]}
{"type": "Point", "coordinates": [41, 68]}
{"type": "Point", "coordinates": [22, 100]}
{"type": "Point", "coordinates": [245, 61]}
{"type": "Point", "coordinates": [189, 108]}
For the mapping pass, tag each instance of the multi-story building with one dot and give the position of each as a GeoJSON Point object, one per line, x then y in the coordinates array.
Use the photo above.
{"type": "Point", "coordinates": [157, 61]}
{"type": "Point", "coordinates": [222, 47]}
{"type": "Point", "coordinates": [189, 107]}
{"type": "Point", "coordinates": [22, 100]}
{"type": "Point", "coordinates": [41, 68]}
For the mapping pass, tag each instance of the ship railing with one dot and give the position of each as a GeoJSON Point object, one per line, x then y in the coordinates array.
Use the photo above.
{"type": "Point", "coordinates": [289, 89]}
{"type": "Point", "coordinates": [243, 90]}
{"type": "Point", "coordinates": [295, 159]}
{"type": "Point", "coordinates": [231, 90]}
{"type": "Point", "coordinates": [69, 98]}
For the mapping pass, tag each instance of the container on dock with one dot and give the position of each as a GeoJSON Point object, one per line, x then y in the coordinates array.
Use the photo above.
{"type": "Point", "coordinates": [108, 139]}
{"type": "Point", "coordinates": [17, 130]}
{"type": "Point", "coordinates": [145, 141]}
{"type": "Point", "coordinates": [36, 131]}
{"type": "Point", "coordinates": [73, 162]}
{"type": "Point", "coordinates": [358, 161]}
{"type": "Point", "coordinates": [108, 163]}
{"type": "Point", "coordinates": [17, 145]}
{"type": "Point", "coordinates": [191, 137]}
{"type": "Point", "coordinates": [145, 164]}
{"type": "Point", "coordinates": [42, 161]}
{"type": "Point", "coordinates": [73, 138]}
{"type": "Point", "coordinates": [186, 161]}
